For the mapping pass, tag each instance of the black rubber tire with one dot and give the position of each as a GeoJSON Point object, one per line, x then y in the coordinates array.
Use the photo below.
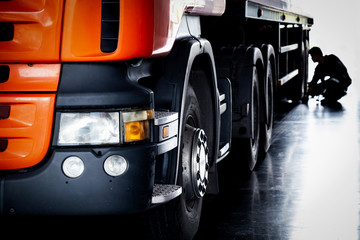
{"type": "Point", "coordinates": [179, 219]}
{"type": "Point", "coordinates": [252, 145]}
{"type": "Point", "coordinates": [245, 73]}
{"type": "Point", "coordinates": [267, 126]}
{"type": "Point", "coordinates": [248, 149]}
{"type": "Point", "coordinates": [190, 205]}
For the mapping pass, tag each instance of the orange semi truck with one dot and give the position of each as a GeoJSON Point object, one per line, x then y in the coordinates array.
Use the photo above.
{"type": "Point", "coordinates": [121, 106]}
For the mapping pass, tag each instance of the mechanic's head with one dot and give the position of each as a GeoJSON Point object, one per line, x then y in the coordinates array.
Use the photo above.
{"type": "Point", "coordinates": [316, 54]}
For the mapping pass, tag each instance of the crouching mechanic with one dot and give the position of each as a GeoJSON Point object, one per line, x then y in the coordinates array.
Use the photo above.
{"type": "Point", "coordinates": [335, 86]}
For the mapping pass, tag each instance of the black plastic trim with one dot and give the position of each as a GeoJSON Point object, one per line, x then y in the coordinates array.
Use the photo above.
{"type": "Point", "coordinates": [4, 73]}
{"type": "Point", "coordinates": [3, 145]}
{"type": "Point", "coordinates": [4, 112]}
{"type": "Point", "coordinates": [100, 85]}
{"type": "Point", "coordinates": [6, 31]}
{"type": "Point", "coordinates": [47, 191]}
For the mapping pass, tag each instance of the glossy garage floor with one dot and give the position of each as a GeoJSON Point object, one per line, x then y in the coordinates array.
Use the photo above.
{"type": "Point", "coordinates": [307, 187]}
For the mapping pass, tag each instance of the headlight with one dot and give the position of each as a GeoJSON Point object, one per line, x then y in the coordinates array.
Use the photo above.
{"type": "Point", "coordinates": [93, 128]}
{"type": "Point", "coordinates": [99, 128]}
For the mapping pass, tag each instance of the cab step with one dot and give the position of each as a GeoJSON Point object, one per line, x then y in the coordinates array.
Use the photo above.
{"type": "Point", "coordinates": [163, 193]}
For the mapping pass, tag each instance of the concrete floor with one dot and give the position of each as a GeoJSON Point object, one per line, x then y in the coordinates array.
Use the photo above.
{"type": "Point", "coordinates": [307, 187]}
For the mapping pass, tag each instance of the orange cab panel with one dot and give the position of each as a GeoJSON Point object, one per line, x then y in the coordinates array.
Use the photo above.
{"type": "Point", "coordinates": [25, 131]}
{"type": "Point", "coordinates": [31, 30]}
{"type": "Point", "coordinates": [27, 78]}
{"type": "Point", "coordinates": [130, 27]}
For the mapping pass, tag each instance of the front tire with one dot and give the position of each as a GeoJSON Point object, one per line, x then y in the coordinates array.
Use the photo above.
{"type": "Point", "coordinates": [193, 170]}
{"type": "Point", "coordinates": [179, 219]}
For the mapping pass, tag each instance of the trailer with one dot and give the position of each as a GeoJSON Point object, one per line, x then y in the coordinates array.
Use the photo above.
{"type": "Point", "coordinates": [114, 107]}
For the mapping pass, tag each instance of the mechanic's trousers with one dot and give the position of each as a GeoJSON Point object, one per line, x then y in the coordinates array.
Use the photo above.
{"type": "Point", "coordinates": [331, 89]}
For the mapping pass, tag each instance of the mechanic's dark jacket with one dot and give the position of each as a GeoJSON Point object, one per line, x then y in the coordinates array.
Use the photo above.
{"type": "Point", "coordinates": [334, 68]}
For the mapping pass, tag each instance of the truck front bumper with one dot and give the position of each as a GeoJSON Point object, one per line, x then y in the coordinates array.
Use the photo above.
{"type": "Point", "coordinates": [47, 191]}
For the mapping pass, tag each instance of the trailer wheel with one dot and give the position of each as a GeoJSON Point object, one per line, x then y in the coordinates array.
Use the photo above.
{"type": "Point", "coordinates": [268, 126]}
{"type": "Point", "coordinates": [268, 91]}
{"type": "Point", "coordinates": [243, 65]}
{"type": "Point", "coordinates": [248, 149]}
{"type": "Point", "coordinates": [252, 145]}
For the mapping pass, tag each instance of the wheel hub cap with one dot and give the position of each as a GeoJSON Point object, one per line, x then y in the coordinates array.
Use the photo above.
{"type": "Point", "coordinates": [200, 165]}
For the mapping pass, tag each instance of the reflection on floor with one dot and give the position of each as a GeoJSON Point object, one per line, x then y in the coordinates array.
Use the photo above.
{"type": "Point", "coordinates": [307, 187]}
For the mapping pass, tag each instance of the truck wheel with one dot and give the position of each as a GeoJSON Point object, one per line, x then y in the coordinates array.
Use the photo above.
{"type": "Point", "coordinates": [194, 166]}
{"type": "Point", "coordinates": [268, 91]}
{"type": "Point", "coordinates": [246, 74]}
{"type": "Point", "coordinates": [252, 145]}
{"type": "Point", "coordinates": [248, 149]}
{"type": "Point", "coordinates": [179, 219]}
{"type": "Point", "coordinates": [268, 126]}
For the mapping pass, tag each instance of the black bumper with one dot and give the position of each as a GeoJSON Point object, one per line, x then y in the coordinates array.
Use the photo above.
{"type": "Point", "coordinates": [47, 191]}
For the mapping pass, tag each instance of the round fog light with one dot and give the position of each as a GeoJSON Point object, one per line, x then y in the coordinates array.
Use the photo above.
{"type": "Point", "coordinates": [115, 165]}
{"type": "Point", "coordinates": [73, 167]}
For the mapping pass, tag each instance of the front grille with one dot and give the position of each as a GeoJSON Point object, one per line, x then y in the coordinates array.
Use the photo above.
{"type": "Point", "coordinates": [110, 15]}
